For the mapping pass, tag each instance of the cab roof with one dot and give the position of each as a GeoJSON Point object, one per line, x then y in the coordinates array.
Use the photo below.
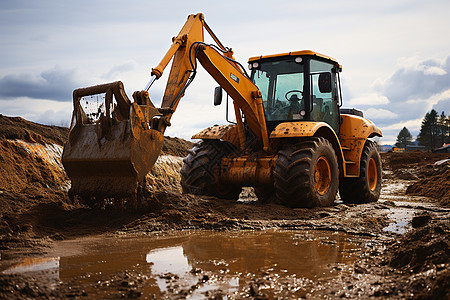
{"type": "Point", "coordinates": [295, 53]}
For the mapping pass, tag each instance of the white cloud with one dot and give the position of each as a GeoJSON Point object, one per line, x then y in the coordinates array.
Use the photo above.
{"type": "Point", "coordinates": [416, 86]}
{"type": "Point", "coordinates": [118, 70]}
{"type": "Point", "coordinates": [431, 101]}
{"type": "Point", "coordinates": [43, 111]}
{"type": "Point", "coordinates": [371, 99]}
{"type": "Point", "coordinates": [427, 67]}
{"type": "Point", "coordinates": [379, 113]}
{"type": "Point", "coordinates": [410, 124]}
{"type": "Point", "coordinates": [434, 71]}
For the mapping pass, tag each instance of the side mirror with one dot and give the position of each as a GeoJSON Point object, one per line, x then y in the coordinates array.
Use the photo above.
{"type": "Point", "coordinates": [218, 96]}
{"type": "Point", "coordinates": [325, 82]}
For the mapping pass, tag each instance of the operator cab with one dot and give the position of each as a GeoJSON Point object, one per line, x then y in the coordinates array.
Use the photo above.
{"type": "Point", "coordinates": [298, 86]}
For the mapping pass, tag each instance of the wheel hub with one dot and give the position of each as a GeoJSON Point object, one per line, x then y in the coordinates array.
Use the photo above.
{"type": "Point", "coordinates": [372, 175]}
{"type": "Point", "coordinates": [322, 175]}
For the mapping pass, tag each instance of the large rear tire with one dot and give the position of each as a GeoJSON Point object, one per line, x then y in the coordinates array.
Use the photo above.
{"type": "Point", "coordinates": [367, 187]}
{"type": "Point", "coordinates": [307, 174]}
{"type": "Point", "coordinates": [199, 174]}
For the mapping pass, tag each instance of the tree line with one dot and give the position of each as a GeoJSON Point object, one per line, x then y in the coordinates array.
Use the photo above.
{"type": "Point", "coordinates": [434, 132]}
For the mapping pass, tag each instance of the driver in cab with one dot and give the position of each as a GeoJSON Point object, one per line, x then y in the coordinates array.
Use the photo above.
{"type": "Point", "coordinates": [294, 107]}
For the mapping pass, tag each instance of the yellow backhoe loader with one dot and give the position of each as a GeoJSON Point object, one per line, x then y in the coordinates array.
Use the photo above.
{"type": "Point", "coordinates": [291, 141]}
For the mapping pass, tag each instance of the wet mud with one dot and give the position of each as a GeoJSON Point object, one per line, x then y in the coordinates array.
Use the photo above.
{"type": "Point", "coordinates": [181, 246]}
{"type": "Point", "coordinates": [197, 263]}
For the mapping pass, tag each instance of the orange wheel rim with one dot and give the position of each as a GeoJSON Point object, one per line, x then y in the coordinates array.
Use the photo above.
{"type": "Point", "coordinates": [372, 174]}
{"type": "Point", "coordinates": [322, 175]}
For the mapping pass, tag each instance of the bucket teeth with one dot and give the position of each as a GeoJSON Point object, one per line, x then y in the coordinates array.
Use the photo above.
{"type": "Point", "coordinates": [97, 191]}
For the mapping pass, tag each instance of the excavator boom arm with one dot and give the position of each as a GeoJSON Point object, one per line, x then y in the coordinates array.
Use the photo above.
{"type": "Point", "coordinates": [188, 48]}
{"type": "Point", "coordinates": [107, 157]}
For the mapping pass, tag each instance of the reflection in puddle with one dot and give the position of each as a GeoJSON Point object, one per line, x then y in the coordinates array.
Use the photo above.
{"type": "Point", "coordinates": [34, 265]}
{"type": "Point", "coordinates": [201, 263]}
{"type": "Point", "coordinates": [168, 260]}
{"type": "Point", "coordinates": [48, 268]}
{"type": "Point", "coordinates": [403, 210]}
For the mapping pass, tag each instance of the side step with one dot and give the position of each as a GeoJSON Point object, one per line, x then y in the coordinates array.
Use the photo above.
{"type": "Point", "coordinates": [351, 167]}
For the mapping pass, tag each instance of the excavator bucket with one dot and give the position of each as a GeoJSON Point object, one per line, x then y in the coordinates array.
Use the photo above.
{"type": "Point", "coordinates": [111, 145]}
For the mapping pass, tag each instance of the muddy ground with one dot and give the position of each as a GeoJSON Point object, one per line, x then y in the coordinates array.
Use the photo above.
{"type": "Point", "coordinates": [407, 256]}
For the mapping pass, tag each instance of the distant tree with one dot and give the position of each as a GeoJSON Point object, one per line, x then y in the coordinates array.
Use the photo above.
{"type": "Point", "coordinates": [447, 133]}
{"type": "Point", "coordinates": [444, 129]}
{"type": "Point", "coordinates": [404, 138]}
{"type": "Point", "coordinates": [429, 130]}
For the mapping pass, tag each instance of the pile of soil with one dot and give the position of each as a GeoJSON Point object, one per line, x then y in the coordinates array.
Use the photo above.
{"type": "Point", "coordinates": [176, 146]}
{"type": "Point", "coordinates": [29, 177]}
{"type": "Point", "coordinates": [428, 173]}
{"type": "Point", "coordinates": [16, 128]}
{"type": "Point", "coordinates": [434, 182]}
{"type": "Point", "coordinates": [397, 161]}
{"type": "Point", "coordinates": [27, 180]}
{"type": "Point", "coordinates": [422, 249]}
{"type": "Point", "coordinates": [424, 252]}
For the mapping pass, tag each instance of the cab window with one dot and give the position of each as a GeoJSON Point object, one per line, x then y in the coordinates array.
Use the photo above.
{"type": "Point", "coordinates": [325, 105]}
{"type": "Point", "coordinates": [281, 83]}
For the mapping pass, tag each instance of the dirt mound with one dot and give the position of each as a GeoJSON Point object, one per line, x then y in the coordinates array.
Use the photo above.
{"type": "Point", "coordinates": [24, 164]}
{"type": "Point", "coordinates": [429, 173]}
{"type": "Point", "coordinates": [31, 172]}
{"type": "Point", "coordinates": [422, 249]}
{"type": "Point", "coordinates": [28, 177]}
{"type": "Point", "coordinates": [434, 182]}
{"type": "Point", "coordinates": [30, 165]}
{"type": "Point", "coordinates": [165, 175]}
{"type": "Point", "coordinates": [401, 160]}
{"type": "Point", "coordinates": [16, 128]}
{"type": "Point", "coordinates": [176, 146]}
{"type": "Point", "coordinates": [424, 252]}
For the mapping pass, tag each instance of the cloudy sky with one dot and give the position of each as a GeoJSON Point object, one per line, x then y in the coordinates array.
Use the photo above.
{"type": "Point", "coordinates": [395, 54]}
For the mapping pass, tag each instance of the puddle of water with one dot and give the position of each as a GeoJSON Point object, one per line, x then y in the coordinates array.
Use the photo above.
{"type": "Point", "coordinates": [395, 188]}
{"type": "Point", "coordinates": [400, 221]}
{"type": "Point", "coordinates": [396, 191]}
{"type": "Point", "coordinates": [230, 261]}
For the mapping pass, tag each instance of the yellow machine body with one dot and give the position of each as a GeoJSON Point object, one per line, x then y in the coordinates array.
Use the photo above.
{"type": "Point", "coordinates": [108, 157]}
{"type": "Point", "coordinates": [258, 170]}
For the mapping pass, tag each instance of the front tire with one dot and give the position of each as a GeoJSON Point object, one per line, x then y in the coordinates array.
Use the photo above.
{"type": "Point", "coordinates": [307, 174]}
{"type": "Point", "coordinates": [367, 187]}
{"type": "Point", "coordinates": [199, 174]}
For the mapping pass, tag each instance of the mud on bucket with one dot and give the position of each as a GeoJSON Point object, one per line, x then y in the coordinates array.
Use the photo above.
{"type": "Point", "coordinates": [111, 145]}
